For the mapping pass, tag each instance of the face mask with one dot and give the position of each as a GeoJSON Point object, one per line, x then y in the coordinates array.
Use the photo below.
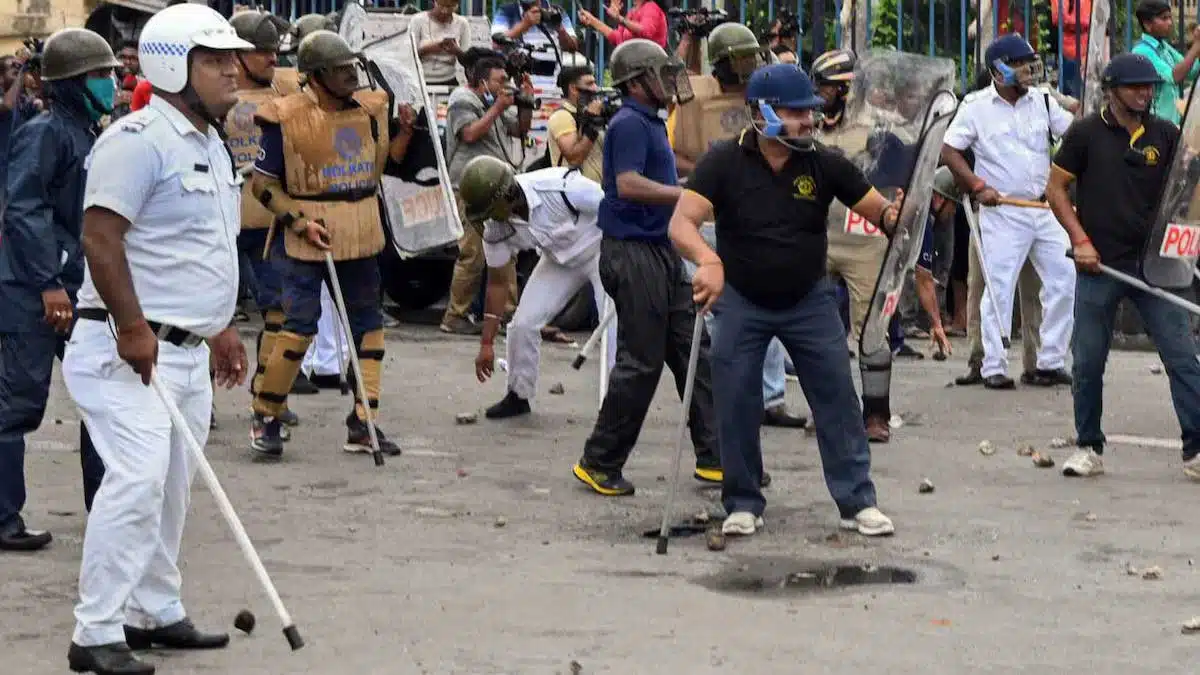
{"type": "Point", "coordinates": [104, 90]}
{"type": "Point", "coordinates": [488, 97]}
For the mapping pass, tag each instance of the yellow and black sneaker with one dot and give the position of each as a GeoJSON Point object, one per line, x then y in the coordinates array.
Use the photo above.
{"type": "Point", "coordinates": [714, 475]}
{"type": "Point", "coordinates": [607, 483]}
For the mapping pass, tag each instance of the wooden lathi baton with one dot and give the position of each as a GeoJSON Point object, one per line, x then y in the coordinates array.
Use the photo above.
{"type": "Point", "coordinates": [1027, 203]}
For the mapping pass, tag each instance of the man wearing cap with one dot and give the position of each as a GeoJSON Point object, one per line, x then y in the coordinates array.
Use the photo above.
{"type": "Point", "coordinates": [769, 191]}
{"type": "Point", "coordinates": [1120, 159]}
{"type": "Point", "coordinates": [1011, 127]}
{"type": "Point", "coordinates": [41, 263]}
{"type": "Point", "coordinates": [160, 225]}
{"type": "Point", "coordinates": [1176, 71]}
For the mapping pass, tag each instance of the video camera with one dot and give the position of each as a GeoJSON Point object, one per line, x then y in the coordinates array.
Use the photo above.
{"type": "Point", "coordinates": [610, 103]}
{"type": "Point", "coordinates": [789, 25]}
{"type": "Point", "coordinates": [697, 22]}
{"type": "Point", "coordinates": [35, 47]}
{"type": "Point", "coordinates": [552, 17]}
{"type": "Point", "coordinates": [518, 55]}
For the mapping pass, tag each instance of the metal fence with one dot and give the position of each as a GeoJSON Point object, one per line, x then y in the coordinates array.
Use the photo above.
{"type": "Point", "coordinates": [956, 29]}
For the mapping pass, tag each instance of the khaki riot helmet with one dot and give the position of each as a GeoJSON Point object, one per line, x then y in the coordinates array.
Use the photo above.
{"type": "Point", "coordinates": [944, 185]}
{"type": "Point", "coordinates": [488, 188]}
{"type": "Point", "coordinates": [667, 74]}
{"type": "Point", "coordinates": [258, 29]}
{"type": "Point", "coordinates": [72, 52]}
{"type": "Point", "coordinates": [323, 49]}
{"type": "Point", "coordinates": [734, 52]}
{"type": "Point", "coordinates": [309, 24]}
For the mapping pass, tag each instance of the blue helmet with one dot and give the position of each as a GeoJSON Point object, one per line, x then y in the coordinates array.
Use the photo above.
{"type": "Point", "coordinates": [780, 85]}
{"type": "Point", "coordinates": [1009, 48]}
{"type": "Point", "coordinates": [1014, 59]}
{"type": "Point", "coordinates": [1129, 69]}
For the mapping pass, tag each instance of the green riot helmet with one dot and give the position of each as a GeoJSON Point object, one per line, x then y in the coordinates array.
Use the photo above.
{"type": "Point", "coordinates": [944, 185]}
{"type": "Point", "coordinates": [72, 52]}
{"type": "Point", "coordinates": [734, 52]}
{"type": "Point", "coordinates": [257, 28]}
{"type": "Point", "coordinates": [488, 189]}
{"type": "Point", "coordinates": [323, 49]}
{"type": "Point", "coordinates": [666, 74]}
{"type": "Point", "coordinates": [309, 24]}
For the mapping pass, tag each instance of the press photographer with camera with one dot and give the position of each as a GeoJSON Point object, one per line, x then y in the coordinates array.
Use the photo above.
{"type": "Point", "coordinates": [537, 24]}
{"type": "Point", "coordinates": [645, 20]}
{"type": "Point", "coordinates": [481, 119]}
{"type": "Point", "coordinates": [577, 128]}
{"type": "Point", "coordinates": [693, 25]}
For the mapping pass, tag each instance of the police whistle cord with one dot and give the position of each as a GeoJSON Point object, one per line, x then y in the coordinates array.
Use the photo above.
{"type": "Point", "coordinates": [664, 529]}
{"type": "Point", "coordinates": [973, 226]}
{"type": "Point", "coordinates": [1137, 283]}
{"type": "Point", "coordinates": [231, 518]}
{"type": "Point", "coordinates": [1026, 203]}
{"type": "Point", "coordinates": [344, 318]}
{"type": "Point", "coordinates": [594, 337]}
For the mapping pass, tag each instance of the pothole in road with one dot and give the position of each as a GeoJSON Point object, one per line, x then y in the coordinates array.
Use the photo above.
{"type": "Point", "coordinates": [800, 578]}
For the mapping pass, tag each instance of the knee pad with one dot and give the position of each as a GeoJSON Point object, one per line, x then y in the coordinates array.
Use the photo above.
{"type": "Point", "coordinates": [280, 373]}
{"type": "Point", "coordinates": [370, 350]}
{"type": "Point", "coordinates": [272, 324]}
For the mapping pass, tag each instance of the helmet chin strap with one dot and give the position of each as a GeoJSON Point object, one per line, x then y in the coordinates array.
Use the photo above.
{"type": "Point", "coordinates": [250, 73]}
{"type": "Point", "coordinates": [773, 127]}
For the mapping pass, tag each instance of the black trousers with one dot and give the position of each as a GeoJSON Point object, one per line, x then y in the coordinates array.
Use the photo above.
{"type": "Point", "coordinates": [655, 318]}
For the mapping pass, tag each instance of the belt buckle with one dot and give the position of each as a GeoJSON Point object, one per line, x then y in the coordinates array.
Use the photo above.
{"type": "Point", "coordinates": [192, 340]}
{"type": "Point", "coordinates": [163, 332]}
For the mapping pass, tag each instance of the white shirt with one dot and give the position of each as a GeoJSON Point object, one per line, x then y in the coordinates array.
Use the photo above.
{"type": "Point", "coordinates": [552, 228]}
{"type": "Point", "coordinates": [1011, 142]}
{"type": "Point", "coordinates": [440, 67]}
{"type": "Point", "coordinates": [177, 188]}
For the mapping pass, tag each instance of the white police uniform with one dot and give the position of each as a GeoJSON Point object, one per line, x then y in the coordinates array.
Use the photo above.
{"type": "Point", "coordinates": [177, 188]}
{"type": "Point", "coordinates": [1012, 154]}
{"type": "Point", "coordinates": [562, 227]}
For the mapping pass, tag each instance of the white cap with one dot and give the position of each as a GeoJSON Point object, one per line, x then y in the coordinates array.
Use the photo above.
{"type": "Point", "coordinates": [171, 34]}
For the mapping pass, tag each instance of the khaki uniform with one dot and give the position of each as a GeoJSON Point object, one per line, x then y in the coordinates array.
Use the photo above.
{"type": "Point", "coordinates": [710, 117]}
{"type": "Point", "coordinates": [332, 165]}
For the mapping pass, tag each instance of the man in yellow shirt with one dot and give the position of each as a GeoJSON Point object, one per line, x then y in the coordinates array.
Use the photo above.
{"type": "Point", "coordinates": [578, 136]}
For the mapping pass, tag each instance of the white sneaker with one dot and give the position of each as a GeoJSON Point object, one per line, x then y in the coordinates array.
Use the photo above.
{"type": "Point", "coordinates": [741, 523]}
{"type": "Point", "coordinates": [1191, 468]}
{"type": "Point", "coordinates": [1086, 463]}
{"type": "Point", "coordinates": [870, 522]}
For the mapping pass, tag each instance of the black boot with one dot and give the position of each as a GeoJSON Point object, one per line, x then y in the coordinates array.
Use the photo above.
{"type": "Point", "coordinates": [509, 406]}
{"type": "Point", "coordinates": [301, 386]}
{"type": "Point", "coordinates": [112, 659]}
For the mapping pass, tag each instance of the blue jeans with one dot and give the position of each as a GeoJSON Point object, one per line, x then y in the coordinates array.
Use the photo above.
{"type": "Point", "coordinates": [1096, 299]}
{"type": "Point", "coordinates": [812, 334]}
{"type": "Point", "coordinates": [264, 279]}
{"type": "Point", "coordinates": [26, 364]}
{"type": "Point", "coordinates": [301, 285]}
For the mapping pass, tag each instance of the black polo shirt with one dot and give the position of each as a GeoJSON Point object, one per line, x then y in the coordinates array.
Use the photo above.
{"type": "Point", "coordinates": [1119, 179]}
{"type": "Point", "coordinates": [771, 232]}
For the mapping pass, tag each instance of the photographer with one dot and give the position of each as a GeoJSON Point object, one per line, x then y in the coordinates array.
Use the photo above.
{"type": "Point", "coordinates": [577, 128]}
{"type": "Point", "coordinates": [537, 24]}
{"type": "Point", "coordinates": [481, 118]}
{"type": "Point", "coordinates": [441, 37]}
{"type": "Point", "coordinates": [645, 20]}
{"type": "Point", "coordinates": [693, 25]}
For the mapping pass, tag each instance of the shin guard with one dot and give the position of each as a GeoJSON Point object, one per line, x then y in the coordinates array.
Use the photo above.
{"type": "Point", "coordinates": [876, 371]}
{"type": "Point", "coordinates": [280, 373]}
{"type": "Point", "coordinates": [370, 360]}
{"type": "Point", "coordinates": [273, 323]}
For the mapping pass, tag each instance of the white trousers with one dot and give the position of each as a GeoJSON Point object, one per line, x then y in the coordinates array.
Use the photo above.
{"type": "Point", "coordinates": [322, 356]}
{"type": "Point", "coordinates": [129, 574]}
{"type": "Point", "coordinates": [1012, 234]}
{"type": "Point", "coordinates": [549, 289]}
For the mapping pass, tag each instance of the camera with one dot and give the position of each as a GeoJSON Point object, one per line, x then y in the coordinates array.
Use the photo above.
{"type": "Point", "coordinates": [697, 22]}
{"type": "Point", "coordinates": [518, 57]}
{"type": "Point", "coordinates": [552, 17]}
{"type": "Point", "coordinates": [610, 103]}
{"type": "Point", "coordinates": [524, 101]}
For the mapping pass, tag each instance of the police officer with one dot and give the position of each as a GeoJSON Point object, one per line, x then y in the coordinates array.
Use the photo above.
{"type": "Point", "coordinates": [856, 251]}
{"type": "Point", "coordinates": [258, 82]}
{"type": "Point", "coordinates": [1118, 157]}
{"type": "Point", "coordinates": [643, 274]}
{"type": "Point", "coordinates": [716, 113]}
{"type": "Point", "coordinates": [321, 155]}
{"type": "Point", "coordinates": [769, 191]}
{"type": "Point", "coordinates": [552, 211]}
{"type": "Point", "coordinates": [41, 266]}
{"type": "Point", "coordinates": [942, 206]}
{"type": "Point", "coordinates": [159, 229]}
{"type": "Point", "coordinates": [302, 28]}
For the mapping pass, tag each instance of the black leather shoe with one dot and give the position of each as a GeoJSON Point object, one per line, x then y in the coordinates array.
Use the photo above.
{"type": "Point", "coordinates": [301, 386]}
{"type": "Point", "coordinates": [973, 376]}
{"type": "Point", "coordinates": [326, 381]}
{"type": "Point", "coordinates": [179, 635]}
{"type": "Point", "coordinates": [999, 382]}
{"type": "Point", "coordinates": [113, 659]}
{"type": "Point", "coordinates": [509, 406]}
{"type": "Point", "coordinates": [778, 416]}
{"type": "Point", "coordinates": [25, 540]}
{"type": "Point", "coordinates": [1048, 378]}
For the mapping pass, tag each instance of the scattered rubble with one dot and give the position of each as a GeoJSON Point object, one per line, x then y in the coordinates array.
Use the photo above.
{"type": "Point", "coordinates": [925, 487]}
{"type": "Point", "coordinates": [986, 448]}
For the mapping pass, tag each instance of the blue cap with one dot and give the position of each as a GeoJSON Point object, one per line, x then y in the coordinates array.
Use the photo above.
{"type": "Point", "coordinates": [783, 85]}
{"type": "Point", "coordinates": [1011, 47]}
{"type": "Point", "coordinates": [1129, 69]}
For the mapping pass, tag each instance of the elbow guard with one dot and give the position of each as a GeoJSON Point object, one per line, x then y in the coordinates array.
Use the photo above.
{"type": "Point", "coordinates": [271, 195]}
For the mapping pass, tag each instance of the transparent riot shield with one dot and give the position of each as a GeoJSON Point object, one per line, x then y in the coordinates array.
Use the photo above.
{"type": "Point", "coordinates": [1169, 260]}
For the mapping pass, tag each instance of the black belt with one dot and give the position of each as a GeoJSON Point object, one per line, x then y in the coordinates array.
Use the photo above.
{"type": "Point", "coordinates": [170, 334]}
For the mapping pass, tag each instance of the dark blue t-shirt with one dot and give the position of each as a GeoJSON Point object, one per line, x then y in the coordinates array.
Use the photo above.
{"type": "Point", "coordinates": [9, 121]}
{"type": "Point", "coordinates": [636, 141]}
{"type": "Point", "coordinates": [925, 261]}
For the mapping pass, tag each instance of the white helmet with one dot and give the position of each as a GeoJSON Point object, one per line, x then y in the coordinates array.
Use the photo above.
{"type": "Point", "coordinates": [171, 34]}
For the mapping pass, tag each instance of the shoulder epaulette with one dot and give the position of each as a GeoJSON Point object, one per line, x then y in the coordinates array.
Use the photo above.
{"type": "Point", "coordinates": [134, 125]}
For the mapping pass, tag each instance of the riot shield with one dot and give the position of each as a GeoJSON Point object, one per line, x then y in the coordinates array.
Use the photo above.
{"type": "Point", "coordinates": [354, 18]}
{"type": "Point", "coordinates": [905, 245]}
{"type": "Point", "coordinates": [1096, 58]}
{"type": "Point", "coordinates": [1169, 260]}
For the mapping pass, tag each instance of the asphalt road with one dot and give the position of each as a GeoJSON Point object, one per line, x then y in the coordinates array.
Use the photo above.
{"type": "Point", "coordinates": [476, 552]}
